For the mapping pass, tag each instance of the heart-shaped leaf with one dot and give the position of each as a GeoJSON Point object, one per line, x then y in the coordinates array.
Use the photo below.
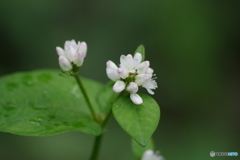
{"type": "Point", "coordinates": [139, 121]}
{"type": "Point", "coordinates": [41, 103]}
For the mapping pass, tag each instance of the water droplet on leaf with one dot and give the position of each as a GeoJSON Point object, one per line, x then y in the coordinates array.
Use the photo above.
{"type": "Point", "coordinates": [6, 115]}
{"type": "Point", "coordinates": [27, 80]}
{"type": "Point", "coordinates": [44, 78]}
{"type": "Point", "coordinates": [57, 124]}
{"type": "Point", "coordinates": [9, 107]}
{"type": "Point", "coordinates": [76, 92]}
{"type": "Point", "coordinates": [40, 118]}
{"type": "Point", "coordinates": [11, 86]}
{"type": "Point", "coordinates": [34, 121]}
{"type": "Point", "coordinates": [51, 117]}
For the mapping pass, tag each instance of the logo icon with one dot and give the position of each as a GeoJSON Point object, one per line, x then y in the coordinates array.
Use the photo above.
{"type": "Point", "coordinates": [212, 153]}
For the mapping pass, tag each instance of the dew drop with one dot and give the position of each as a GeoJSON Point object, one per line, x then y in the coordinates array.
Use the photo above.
{"type": "Point", "coordinates": [57, 124]}
{"type": "Point", "coordinates": [37, 106]}
{"type": "Point", "coordinates": [51, 117]}
{"type": "Point", "coordinates": [9, 107]}
{"type": "Point", "coordinates": [75, 91]}
{"type": "Point", "coordinates": [27, 80]}
{"type": "Point", "coordinates": [77, 124]}
{"type": "Point", "coordinates": [34, 121]}
{"type": "Point", "coordinates": [66, 124]}
{"type": "Point", "coordinates": [48, 127]}
{"type": "Point", "coordinates": [6, 115]}
{"type": "Point", "coordinates": [46, 95]}
{"type": "Point", "coordinates": [11, 86]}
{"type": "Point", "coordinates": [40, 118]}
{"type": "Point", "coordinates": [45, 78]}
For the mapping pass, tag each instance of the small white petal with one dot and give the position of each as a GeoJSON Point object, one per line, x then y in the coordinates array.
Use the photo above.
{"type": "Point", "coordinates": [123, 73]}
{"type": "Point", "coordinates": [82, 47]}
{"type": "Point", "coordinates": [112, 74]}
{"type": "Point", "coordinates": [119, 86]}
{"type": "Point", "coordinates": [143, 67]}
{"type": "Point", "coordinates": [66, 45]}
{"type": "Point", "coordinates": [64, 64]}
{"type": "Point", "coordinates": [150, 155]}
{"type": "Point", "coordinates": [147, 155]}
{"type": "Point", "coordinates": [73, 43]}
{"type": "Point", "coordinates": [123, 61]}
{"type": "Point", "coordinates": [150, 71]}
{"type": "Point", "coordinates": [138, 58]}
{"type": "Point", "coordinates": [79, 58]}
{"type": "Point", "coordinates": [132, 87]}
{"type": "Point", "coordinates": [60, 51]}
{"type": "Point", "coordinates": [136, 98]}
{"type": "Point", "coordinates": [142, 78]}
{"type": "Point", "coordinates": [111, 65]}
{"type": "Point", "coordinates": [70, 53]}
{"type": "Point", "coordinates": [149, 85]}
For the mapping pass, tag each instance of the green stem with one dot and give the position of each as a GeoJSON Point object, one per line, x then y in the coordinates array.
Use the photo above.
{"type": "Point", "coordinates": [98, 139]}
{"type": "Point", "coordinates": [85, 96]}
{"type": "Point", "coordinates": [96, 149]}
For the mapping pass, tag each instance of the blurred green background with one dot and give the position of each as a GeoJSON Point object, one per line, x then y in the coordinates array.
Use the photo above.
{"type": "Point", "coordinates": [193, 46]}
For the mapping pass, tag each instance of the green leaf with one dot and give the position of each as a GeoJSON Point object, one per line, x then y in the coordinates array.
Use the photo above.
{"type": "Point", "coordinates": [65, 74]}
{"type": "Point", "coordinates": [141, 50]}
{"type": "Point", "coordinates": [139, 150]}
{"type": "Point", "coordinates": [139, 121]}
{"type": "Point", "coordinates": [41, 103]}
{"type": "Point", "coordinates": [106, 96]}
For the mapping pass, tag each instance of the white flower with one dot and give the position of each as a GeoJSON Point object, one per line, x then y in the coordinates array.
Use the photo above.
{"type": "Point", "coordinates": [119, 86]}
{"type": "Point", "coordinates": [130, 74]}
{"type": "Point", "coordinates": [149, 155]}
{"type": "Point", "coordinates": [64, 64]}
{"type": "Point", "coordinates": [72, 55]}
{"type": "Point", "coordinates": [136, 98]}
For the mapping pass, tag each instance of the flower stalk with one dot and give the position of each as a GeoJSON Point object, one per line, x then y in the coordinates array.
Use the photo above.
{"type": "Point", "coordinates": [96, 148]}
{"type": "Point", "coordinates": [79, 82]}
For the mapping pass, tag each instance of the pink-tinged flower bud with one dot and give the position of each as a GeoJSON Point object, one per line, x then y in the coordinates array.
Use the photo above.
{"type": "Point", "coordinates": [142, 78]}
{"type": "Point", "coordinates": [79, 58]}
{"type": "Point", "coordinates": [64, 64]}
{"type": "Point", "coordinates": [132, 87]}
{"type": "Point", "coordinates": [112, 74]}
{"type": "Point", "coordinates": [123, 73]}
{"type": "Point", "coordinates": [119, 86]}
{"type": "Point", "coordinates": [136, 98]}
{"type": "Point", "coordinates": [60, 51]}
{"type": "Point", "coordinates": [111, 65]}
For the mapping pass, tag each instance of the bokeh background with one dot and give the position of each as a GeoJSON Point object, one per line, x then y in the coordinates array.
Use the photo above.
{"type": "Point", "coordinates": [193, 46]}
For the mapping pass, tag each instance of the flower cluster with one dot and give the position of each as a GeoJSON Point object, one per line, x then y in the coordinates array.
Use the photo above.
{"type": "Point", "coordinates": [131, 73]}
{"type": "Point", "coordinates": [149, 155]}
{"type": "Point", "coordinates": [72, 55]}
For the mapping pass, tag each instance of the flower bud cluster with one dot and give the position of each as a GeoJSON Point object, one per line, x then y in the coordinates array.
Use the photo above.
{"type": "Point", "coordinates": [131, 74]}
{"type": "Point", "coordinates": [72, 55]}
